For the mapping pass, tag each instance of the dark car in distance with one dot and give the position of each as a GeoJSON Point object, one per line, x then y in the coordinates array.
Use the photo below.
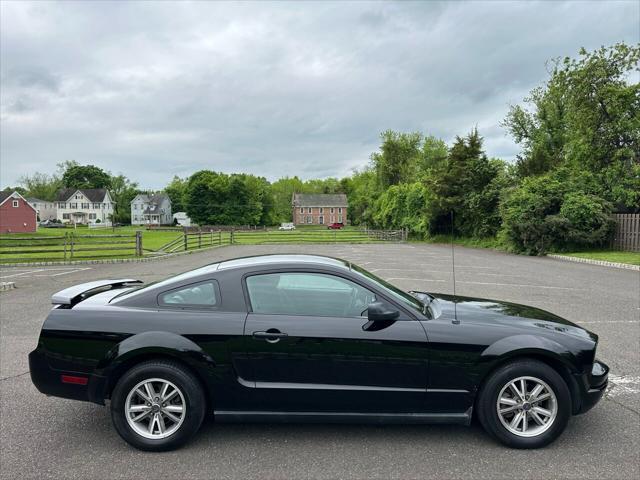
{"type": "Point", "coordinates": [335, 226]}
{"type": "Point", "coordinates": [303, 338]}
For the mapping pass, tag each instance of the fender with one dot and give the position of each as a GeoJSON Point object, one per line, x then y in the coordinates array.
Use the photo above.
{"type": "Point", "coordinates": [161, 343]}
{"type": "Point", "coordinates": [521, 345]}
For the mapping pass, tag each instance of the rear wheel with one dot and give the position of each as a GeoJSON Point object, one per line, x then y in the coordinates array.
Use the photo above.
{"type": "Point", "coordinates": [525, 404]}
{"type": "Point", "coordinates": [157, 405]}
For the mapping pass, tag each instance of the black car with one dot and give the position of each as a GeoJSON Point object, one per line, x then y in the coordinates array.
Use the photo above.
{"type": "Point", "coordinates": [302, 338]}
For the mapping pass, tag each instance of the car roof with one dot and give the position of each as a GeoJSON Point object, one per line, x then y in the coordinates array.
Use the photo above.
{"type": "Point", "coordinates": [259, 260]}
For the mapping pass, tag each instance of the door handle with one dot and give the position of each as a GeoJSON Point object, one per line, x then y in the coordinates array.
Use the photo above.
{"type": "Point", "coordinates": [272, 335]}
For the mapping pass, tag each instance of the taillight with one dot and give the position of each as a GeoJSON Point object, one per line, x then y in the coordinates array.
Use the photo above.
{"type": "Point", "coordinates": [74, 380]}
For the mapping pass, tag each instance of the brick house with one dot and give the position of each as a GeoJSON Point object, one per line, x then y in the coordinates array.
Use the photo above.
{"type": "Point", "coordinates": [319, 209]}
{"type": "Point", "coordinates": [16, 214]}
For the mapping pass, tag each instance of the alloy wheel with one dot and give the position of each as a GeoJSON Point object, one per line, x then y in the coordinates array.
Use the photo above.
{"type": "Point", "coordinates": [527, 406]}
{"type": "Point", "coordinates": [155, 408]}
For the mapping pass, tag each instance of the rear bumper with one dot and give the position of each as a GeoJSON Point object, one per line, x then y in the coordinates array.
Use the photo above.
{"type": "Point", "coordinates": [50, 381]}
{"type": "Point", "coordinates": [592, 386]}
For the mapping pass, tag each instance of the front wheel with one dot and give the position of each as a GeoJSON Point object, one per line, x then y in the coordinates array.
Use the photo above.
{"type": "Point", "coordinates": [525, 404]}
{"type": "Point", "coordinates": [157, 406]}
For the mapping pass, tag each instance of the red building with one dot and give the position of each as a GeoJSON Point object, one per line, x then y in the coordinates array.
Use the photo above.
{"type": "Point", "coordinates": [16, 214]}
{"type": "Point", "coordinates": [319, 209]}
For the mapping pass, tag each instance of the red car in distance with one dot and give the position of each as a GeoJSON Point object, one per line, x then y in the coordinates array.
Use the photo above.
{"type": "Point", "coordinates": [335, 226]}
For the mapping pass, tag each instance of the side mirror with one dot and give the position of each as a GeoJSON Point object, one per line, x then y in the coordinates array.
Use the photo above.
{"type": "Point", "coordinates": [378, 312]}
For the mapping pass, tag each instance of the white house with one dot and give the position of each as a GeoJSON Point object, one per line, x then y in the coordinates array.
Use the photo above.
{"type": "Point", "coordinates": [182, 219]}
{"type": "Point", "coordinates": [45, 209]}
{"type": "Point", "coordinates": [151, 209]}
{"type": "Point", "coordinates": [87, 205]}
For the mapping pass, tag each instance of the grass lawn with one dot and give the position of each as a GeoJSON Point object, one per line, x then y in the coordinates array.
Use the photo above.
{"type": "Point", "coordinates": [632, 258]}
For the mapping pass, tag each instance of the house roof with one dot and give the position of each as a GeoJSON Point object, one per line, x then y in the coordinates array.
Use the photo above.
{"type": "Point", "coordinates": [154, 200]}
{"type": "Point", "coordinates": [319, 200]}
{"type": "Point", "coordinates": [36, 200]}
{"type": "Point", "coordinates": [93, 194]}
{"type": "Point", "coordinates": [4, 196]}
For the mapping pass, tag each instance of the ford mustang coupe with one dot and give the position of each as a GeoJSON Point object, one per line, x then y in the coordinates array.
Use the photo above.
{"type": "Point", "coordinates": [306, 338]}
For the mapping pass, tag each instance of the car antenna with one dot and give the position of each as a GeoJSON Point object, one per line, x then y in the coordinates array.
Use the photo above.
{"type": "Point", "coordinates": [453, 271]}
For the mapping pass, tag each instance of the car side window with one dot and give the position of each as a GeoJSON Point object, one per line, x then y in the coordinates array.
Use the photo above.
{"type": "Point", "coordinates": [203, 294]}
{"type": "Point", "coordinates": [314, 294]}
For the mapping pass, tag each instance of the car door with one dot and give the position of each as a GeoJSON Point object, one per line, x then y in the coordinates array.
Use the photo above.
{"type": "Point", "coordinates": [311, 347]}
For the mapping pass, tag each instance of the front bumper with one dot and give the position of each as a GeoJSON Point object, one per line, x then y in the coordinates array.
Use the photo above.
{"type": "Point", "coordinates": [592, 386]}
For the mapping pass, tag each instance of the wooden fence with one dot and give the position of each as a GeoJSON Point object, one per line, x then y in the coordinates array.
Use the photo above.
{"type": "Point", "coordinates": [69, 246]}
{"type": "Point", "coordinates": [193, 240]}
{"type": "Point", "coordinates": [627, 232]}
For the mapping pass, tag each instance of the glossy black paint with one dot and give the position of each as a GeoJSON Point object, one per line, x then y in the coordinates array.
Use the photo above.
{"type": "Point", "coordinates": [412, 368]}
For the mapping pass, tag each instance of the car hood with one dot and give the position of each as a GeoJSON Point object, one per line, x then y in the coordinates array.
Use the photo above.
{"type": "Point", "coordinates": [498, 313]}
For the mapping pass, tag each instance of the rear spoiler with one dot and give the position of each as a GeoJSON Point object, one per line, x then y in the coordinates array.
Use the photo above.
{"type": "Point", "coordinates": [72, 295]}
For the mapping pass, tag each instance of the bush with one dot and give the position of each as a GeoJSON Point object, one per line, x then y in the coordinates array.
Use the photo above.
{"type": "Point", "coordinates": [555, 211]}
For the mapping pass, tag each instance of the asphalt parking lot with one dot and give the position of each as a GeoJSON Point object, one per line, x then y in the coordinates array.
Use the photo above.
{"type": "Point", "coordinates": [42, 437]}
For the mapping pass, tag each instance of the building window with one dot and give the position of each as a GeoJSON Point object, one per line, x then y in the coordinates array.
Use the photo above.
{"type": "Point", "coordinates": [16, 203]}
{"type": "Point", "coordinates": [332, 210]}
{"type": "Point", "coordinates": [309, 210]}
{"type": "Point", "coordinates": [85, 206]}
{"type": "Point", "coordinates": [66, 216]}
{"type": "Point", "coordinates": [92, 216]}
{"type": "Point", "coordinates": [321, 210]}
{"type": "Point", "coordinates": [321, 219]}
{"type": "Point", "coordinates": [62, 205]}
{"type": "Point", "coordinates": [340, 210]}
{"type": "Point", "coordinates": [309, 219]}
{"type": "Point", "coordinates": [73, 205]}
{"type": "Point", "coordinates": [301, 210]}
{"type": "Point", "coordinates": [333, 219]}
{"type": "Point", "coordinates": [339, 218]}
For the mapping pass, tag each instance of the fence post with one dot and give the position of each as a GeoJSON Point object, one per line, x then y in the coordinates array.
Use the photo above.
{"type": "Point", "coordinates": [219, 237]}
{"type": "Point", "coordinates": [138, 243]}
{"type": "Point", "coordinates": [66, 238]}
{"type": "Point", "coordinates": [185, 240]}
{"type": "Point", "coordinates": [199, 238]}
{"type": "Point", "coordinates": [72, 242]}
{"type": "Point", "coordinates": [232, 239]}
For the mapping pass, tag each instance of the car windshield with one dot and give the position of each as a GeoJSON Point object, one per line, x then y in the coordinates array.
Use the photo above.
{"type": "Point", "coordinates": [404, 297]}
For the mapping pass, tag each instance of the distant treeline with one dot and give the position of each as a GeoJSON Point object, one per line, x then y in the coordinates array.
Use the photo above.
{"type": "Point", "coordinates": [580, 161]}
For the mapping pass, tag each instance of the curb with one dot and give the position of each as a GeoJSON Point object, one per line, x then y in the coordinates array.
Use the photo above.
{"type": "Point", "coordinates": [7, 286]}
{"type": "Point", "coordinates": [589, 261]}
{"type": "Point", "coordinates": [109, 261]}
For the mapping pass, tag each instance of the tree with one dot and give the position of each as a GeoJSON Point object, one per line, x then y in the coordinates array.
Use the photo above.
{"type": "Point", "coordinates": [41, 185]}
{"type": "Point", "coordinates": [469, 185]}
{"type": "Point", "coordinates": [398, 156]}
{"type": "Point", "coordinates": [86, 176]}
{"type": "Point", "coordinates": [123, 191]}
{"type": "Point", "coordinates": [585, 117]}
{"type": "Point", "coordinates": [175, 190]}
{"type": "Point", "coordinates": [213, 198]}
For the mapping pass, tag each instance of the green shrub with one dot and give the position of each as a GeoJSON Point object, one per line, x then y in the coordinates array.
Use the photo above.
{"type": "Point", "coordinates": [555, 211]}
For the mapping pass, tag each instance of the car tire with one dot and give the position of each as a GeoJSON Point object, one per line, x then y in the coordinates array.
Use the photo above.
{"type": "Point", "coordinates": [522, 421]}
{"type": "Point", "coordinates": [166, 425]}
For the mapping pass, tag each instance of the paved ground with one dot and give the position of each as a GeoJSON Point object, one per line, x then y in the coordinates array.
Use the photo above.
{"type": "Point", "coordinates": [44, 437]}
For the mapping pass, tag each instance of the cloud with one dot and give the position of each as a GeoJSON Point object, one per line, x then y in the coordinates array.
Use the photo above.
{"type": "Point", "coordinates": [153, 89]}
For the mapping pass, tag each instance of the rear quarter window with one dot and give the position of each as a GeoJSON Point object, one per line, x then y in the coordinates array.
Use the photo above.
{"type": "Point", "coordinates": [196, 295]}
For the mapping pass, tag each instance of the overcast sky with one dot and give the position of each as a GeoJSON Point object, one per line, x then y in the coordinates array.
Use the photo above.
{"type": "Point", "coordinates": [156, 89]}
